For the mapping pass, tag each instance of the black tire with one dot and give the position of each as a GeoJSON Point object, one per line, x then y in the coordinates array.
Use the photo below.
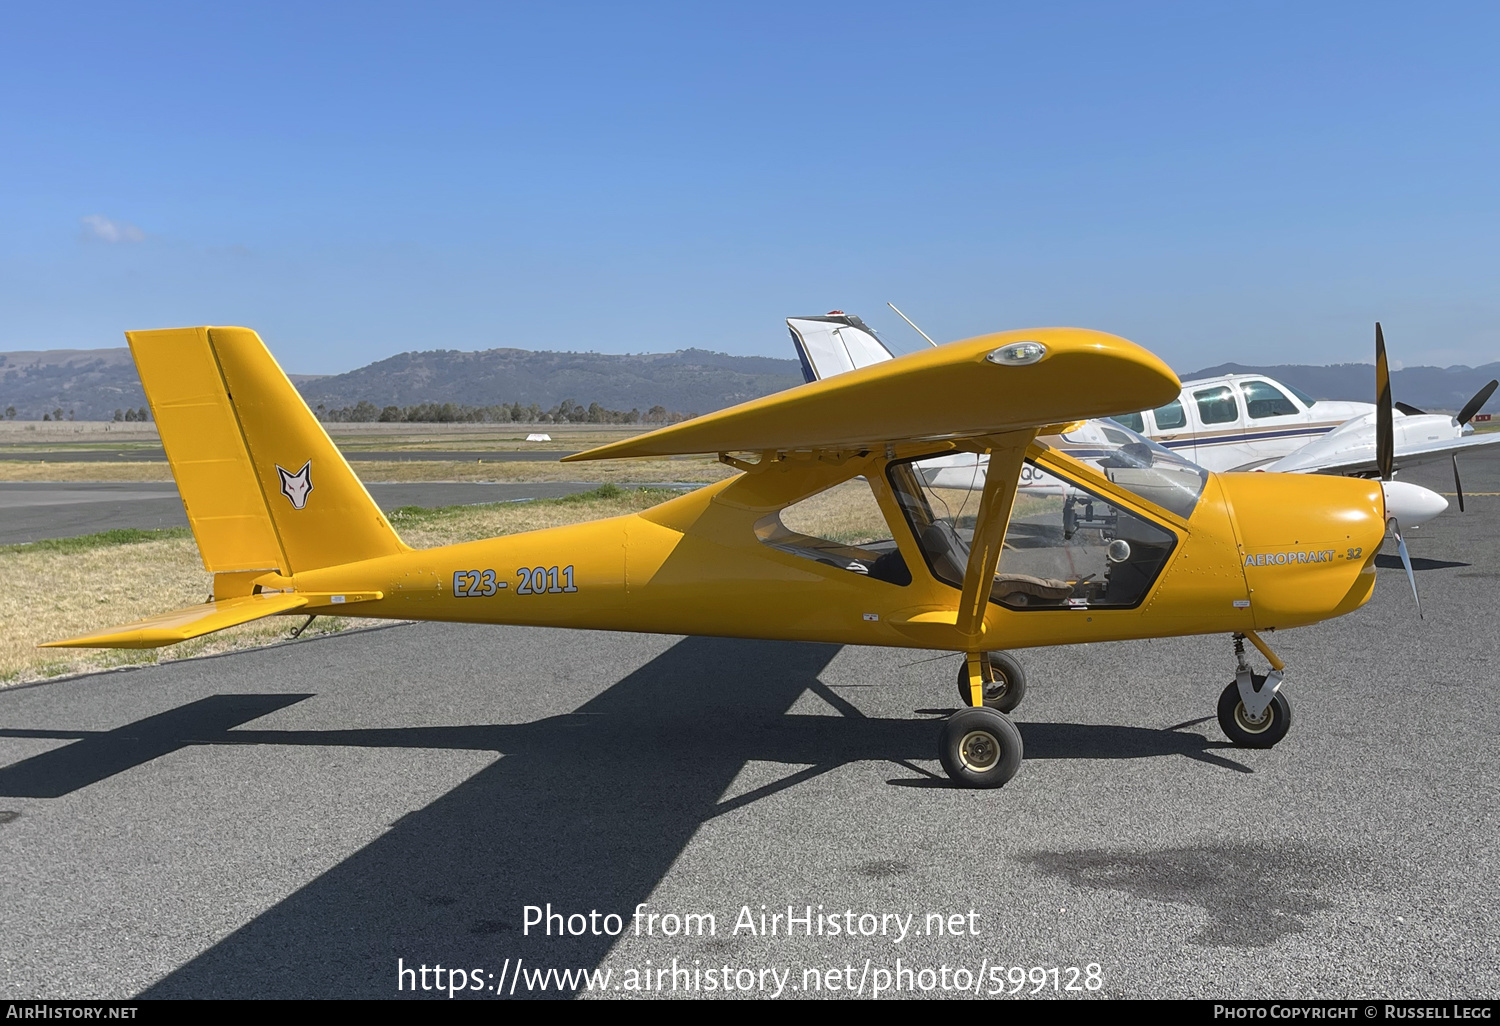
{"type": "Point", "coordinates": [980, 748]}
{"type": "Point", "coordinates": [1245, 732]}
{"type": "Point", "coordinates": [1007, 690]}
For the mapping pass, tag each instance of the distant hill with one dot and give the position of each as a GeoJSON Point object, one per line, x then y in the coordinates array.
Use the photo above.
{"type": "Point", "coordinates": [89, 383]}
{"type": "Point", "coordinates": [92, 383]}
{"type": "Point", "coordinates": [689, 380]}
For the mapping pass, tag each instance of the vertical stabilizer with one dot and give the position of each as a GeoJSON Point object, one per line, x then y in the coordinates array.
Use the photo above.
{"type": "Point", "coordinates": [834, 343]}
{"type": "Point", "coordinates": [264, 486]}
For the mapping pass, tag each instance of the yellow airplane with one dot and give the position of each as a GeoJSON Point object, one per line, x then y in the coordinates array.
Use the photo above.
{"type": "Point", "coordinates": [833, 530]}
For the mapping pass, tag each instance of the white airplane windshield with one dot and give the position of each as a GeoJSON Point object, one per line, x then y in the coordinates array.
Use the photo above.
{"type": "Point", "coordinates": [1307, 400]}
{"type": "Point", "coordinates": [1135, 463]}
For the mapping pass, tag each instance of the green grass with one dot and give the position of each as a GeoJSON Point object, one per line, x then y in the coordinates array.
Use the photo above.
{"type": "Point", "coordinates": [102, 540]}
{"type": "Point", "coordinates": [604, 491]}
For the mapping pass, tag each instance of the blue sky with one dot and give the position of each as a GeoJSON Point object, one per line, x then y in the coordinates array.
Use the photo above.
{"type": "Point", "coordinates": [1256, 182]}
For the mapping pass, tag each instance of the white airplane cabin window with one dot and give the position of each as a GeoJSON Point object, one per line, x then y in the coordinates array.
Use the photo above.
{"type": "Point", "coordinates": [1170, 417]}
{"type": "Point", "coordinates": [1134, 421]}
{"type": "Point", "coordinates": [1217, 405]}
{"type": "Point", "coordinates": [1066, 547]}
{"type": "Point", "coordinates": [843, 527]}
{"type": "Point", "coordinates": [1263, 399]}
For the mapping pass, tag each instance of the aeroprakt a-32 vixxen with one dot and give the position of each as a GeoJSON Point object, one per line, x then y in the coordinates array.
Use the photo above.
{"type": "Point", "coordinates": [832, 532]}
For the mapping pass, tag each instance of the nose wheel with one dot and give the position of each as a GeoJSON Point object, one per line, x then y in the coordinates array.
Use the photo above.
{"type": "Point", "coordinates": [1254, 731]}
{"type": "Point", "coordinates": [1253, 713]}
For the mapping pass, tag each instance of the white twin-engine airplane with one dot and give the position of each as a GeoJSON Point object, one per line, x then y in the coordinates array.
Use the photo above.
{"type": "Point", "coordinates": [1234, 422]}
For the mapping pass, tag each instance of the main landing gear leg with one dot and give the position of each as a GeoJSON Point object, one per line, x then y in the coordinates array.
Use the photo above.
{"type": "Point", "coordinates": [1253, 713]}
{"type": "Point", "coordinates": [980, 746]}
{"type": "Point", "coordinates": [1004, 681]}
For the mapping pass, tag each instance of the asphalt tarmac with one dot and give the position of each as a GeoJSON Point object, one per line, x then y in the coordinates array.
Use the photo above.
{"type": "Point", "coordinates": [33, 510]}
{"type": "Point", "coordinates": [308, 819]}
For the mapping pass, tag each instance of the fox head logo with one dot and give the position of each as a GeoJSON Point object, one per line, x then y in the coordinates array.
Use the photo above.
{"type": "Point", "coordinates": [296, 486]}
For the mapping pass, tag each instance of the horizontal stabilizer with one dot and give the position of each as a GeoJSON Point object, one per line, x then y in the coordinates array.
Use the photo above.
{"type": "Point", "coordinates": [980, 386]}
{"type": "Point", "coordinates": [182, 624]}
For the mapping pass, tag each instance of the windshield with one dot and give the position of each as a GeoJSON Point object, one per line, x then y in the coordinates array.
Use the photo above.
{"type": "Point", "coordinates": [1307, 400]}
{"type": "Point", "coordinates": [1135, 463]}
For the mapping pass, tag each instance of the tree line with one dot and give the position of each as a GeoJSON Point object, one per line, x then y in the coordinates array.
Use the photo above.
{"type": "Point", "coordinates": [565, 412]}
{"type": "Point", "coordinates": [126, 416]}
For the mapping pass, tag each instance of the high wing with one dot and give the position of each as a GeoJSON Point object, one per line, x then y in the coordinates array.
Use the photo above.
{"type": "Point", "coordinates": [974, 388]}
{"type": "Point", "coordinates": [1350, 447]}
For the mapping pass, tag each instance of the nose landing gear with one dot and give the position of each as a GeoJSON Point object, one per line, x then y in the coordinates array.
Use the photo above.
{"type": "Point", "coordinates": [1253, 713]}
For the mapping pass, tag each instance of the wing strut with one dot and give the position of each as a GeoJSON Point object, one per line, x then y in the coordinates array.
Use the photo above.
{"type": "Point", "coordinates": [1006, 453]}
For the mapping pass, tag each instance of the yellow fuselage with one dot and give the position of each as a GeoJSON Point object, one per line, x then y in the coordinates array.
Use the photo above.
{"type": "Point", "coordinates": [1260, 551]}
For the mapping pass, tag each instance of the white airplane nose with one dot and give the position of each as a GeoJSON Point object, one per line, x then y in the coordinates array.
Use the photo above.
{"type": "Point", "coordinates": [1411, 504]}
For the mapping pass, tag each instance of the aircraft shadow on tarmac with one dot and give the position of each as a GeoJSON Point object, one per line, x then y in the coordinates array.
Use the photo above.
{"type": "Point", "coordinates": [1418, 563]}
{"type": "Point", "coordinates": [587, 810]}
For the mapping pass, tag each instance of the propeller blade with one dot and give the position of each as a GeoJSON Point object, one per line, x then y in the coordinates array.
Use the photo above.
{"type": "Point", "coordinates": [1457, 484]}
{"type": "Point", "coordinates": [1406, 562]}
{"type": "Point", "coordinates": [1410, 410]}
{"type": "Point", "coordinates": [1472, 406]}
{"type": "Point", "coordinates": [1385, 443]}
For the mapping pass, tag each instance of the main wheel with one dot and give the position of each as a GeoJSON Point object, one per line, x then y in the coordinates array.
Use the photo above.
{"type": "Point", "coordinates": [1252, 733]}
{"type": "Point", "coordinates": [1008, 687]}
{"type": "Point", "coordinates": [980, 747]}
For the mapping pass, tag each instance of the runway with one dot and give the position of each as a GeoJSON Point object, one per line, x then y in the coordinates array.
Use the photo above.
{"type": "Point", "coordinates": [292, 821]}
{"type": "Point", "coordinates": [33, 510]}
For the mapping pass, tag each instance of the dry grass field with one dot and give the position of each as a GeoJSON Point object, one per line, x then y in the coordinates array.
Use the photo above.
{"type": "Point", "coordinates": [354, 440]}
{"type": "Point", "coordinates": [37, 470]}
{"type": "Point", "coordinates": [62, 588]}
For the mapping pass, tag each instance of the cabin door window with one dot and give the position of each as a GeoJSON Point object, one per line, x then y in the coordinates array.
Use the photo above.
{"type": "Point", "coordinates": [1066, 547]}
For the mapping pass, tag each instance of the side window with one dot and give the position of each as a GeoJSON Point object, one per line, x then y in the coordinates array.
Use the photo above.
{"type": "Point", "coordinates": [1134, 421]}
{"type": "Point", "coordinates": [1217, 405]}
{"type": "Point", "coordinates": [1170, 417]}
{"type": "Point", "coordinates": [1263, 399]}
{"type": "Point", "coordinates": [841, 527]}
{"type": "Point", "coordinates": [1065, 548]}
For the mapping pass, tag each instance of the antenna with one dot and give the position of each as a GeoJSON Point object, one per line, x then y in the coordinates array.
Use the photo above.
{"type": "Point", "coordinates": [908, 320]}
